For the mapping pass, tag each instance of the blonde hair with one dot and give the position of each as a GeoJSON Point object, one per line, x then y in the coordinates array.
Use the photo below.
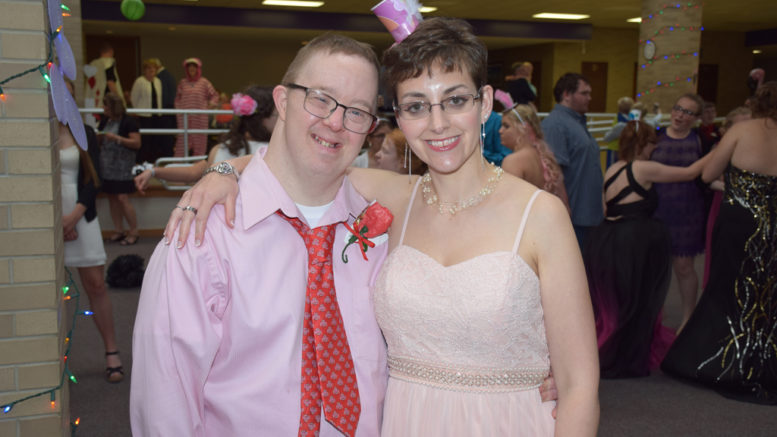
{"type": "Point", "coordinates": [551, 171]}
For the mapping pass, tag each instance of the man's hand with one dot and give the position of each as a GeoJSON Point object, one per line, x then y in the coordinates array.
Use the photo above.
{"type": "Point", "coordinates": [548, 391]}
{"type": "Point", "coordinates": [210, 190]}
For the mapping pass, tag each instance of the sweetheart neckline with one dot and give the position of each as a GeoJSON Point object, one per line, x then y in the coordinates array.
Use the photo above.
{"type": "Point", "coordinates": [497, 252]}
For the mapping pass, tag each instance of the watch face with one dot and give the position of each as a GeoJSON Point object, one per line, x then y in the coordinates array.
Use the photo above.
{"type": "Point", "coordinates": [649, 51]}
{"type": "Point", "coordinates": [224, 168]}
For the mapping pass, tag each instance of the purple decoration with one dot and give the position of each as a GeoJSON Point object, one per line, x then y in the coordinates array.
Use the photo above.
{"type": "Point", "coordinates": [55, 14]}
{"type": "Point", "coordinates": [58, 91]}
{"type": "Point", "coordinates": [75, 122]}
{"type": "Point", "coordinates": [65, 54]}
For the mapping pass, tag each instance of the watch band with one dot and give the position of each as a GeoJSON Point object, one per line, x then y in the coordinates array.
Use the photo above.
{"type": "Point", "coordinates": [223, 168]}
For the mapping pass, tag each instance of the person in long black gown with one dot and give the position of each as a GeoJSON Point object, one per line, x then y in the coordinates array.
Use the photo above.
{"type": "Point", "coordinates": [730, 342]}
{"type": "Point", "coordinates": [627, 258]}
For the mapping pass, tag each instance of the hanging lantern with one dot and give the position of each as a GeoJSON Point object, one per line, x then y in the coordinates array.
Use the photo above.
{"type": "Point", "coordinates": [133, 9]}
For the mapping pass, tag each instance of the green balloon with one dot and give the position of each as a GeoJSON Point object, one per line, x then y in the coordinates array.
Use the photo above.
{"type": "Point", "coordinates": [133, 9]}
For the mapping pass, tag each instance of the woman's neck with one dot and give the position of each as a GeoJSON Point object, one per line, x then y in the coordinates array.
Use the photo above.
{"type": "Point", "coordinates": [464, 182]}
{"type": "Point", "coordinates": [674, 133]}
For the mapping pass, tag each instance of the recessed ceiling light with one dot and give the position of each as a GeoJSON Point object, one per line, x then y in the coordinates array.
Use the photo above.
{"type": "Point", "coordinates": [634, 20]}
{"type": "Point", "coordinates": [756, 51]}
{"type": "Point", "coordinates": [555, 16]}
{"type": "Point", "coordinates": [293, 3]}
{"type": "Point", "coordinates": [426, 9]}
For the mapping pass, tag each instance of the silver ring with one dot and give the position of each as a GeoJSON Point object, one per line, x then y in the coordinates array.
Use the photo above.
{"type": "Point", "coordinates": [190, 208]}
{"type": "Point", "coordinates": [180, 207]}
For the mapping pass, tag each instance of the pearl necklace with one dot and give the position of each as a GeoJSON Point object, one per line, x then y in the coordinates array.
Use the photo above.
{"type": "Point", "coordinates": [430, 196]}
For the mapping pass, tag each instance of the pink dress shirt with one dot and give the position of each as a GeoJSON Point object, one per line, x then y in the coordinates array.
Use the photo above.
{"type": "Point", "coordinates": [217, 339]}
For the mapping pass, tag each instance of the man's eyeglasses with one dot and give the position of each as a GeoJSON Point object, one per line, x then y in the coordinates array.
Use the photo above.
{"type": "Point", "coordinates": [688, 112]}
{"type": "Point", "coordinates": [451, 105]}
{"type": "Point", "coordinates": [322, 105]}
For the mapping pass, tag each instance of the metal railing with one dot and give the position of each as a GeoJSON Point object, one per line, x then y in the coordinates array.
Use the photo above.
{"type": "Point", "coordinates": [185, 128]}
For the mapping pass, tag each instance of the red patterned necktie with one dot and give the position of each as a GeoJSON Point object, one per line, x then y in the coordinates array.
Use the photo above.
{"type": "Point", "coordinates": [328, 374]}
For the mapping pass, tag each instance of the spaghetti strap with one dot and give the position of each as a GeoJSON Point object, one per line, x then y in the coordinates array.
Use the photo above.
{"type": "Point", "coordinates": [524, 219]}
{"type": "Point", "coordinates": [407, 212]}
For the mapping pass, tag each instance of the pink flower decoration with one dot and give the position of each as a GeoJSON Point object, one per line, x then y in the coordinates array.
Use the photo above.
{"type": "Point", "coordinates": [243, 105]}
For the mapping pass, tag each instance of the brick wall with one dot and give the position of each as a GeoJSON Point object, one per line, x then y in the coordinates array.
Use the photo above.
{"type": "Point", "coordinates": [32, 319]}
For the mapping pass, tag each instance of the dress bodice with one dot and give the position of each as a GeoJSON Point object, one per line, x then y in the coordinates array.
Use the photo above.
{"type": "Point", "coordinates": [643, 207]}
{"type": "Point", "coordinates": [69, 159]}
{"type": "Point", "coordinates": [749, 189]}
{"type": "Point", "coordinates": [462, 324]}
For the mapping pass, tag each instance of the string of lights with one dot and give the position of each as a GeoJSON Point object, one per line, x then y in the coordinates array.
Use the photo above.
{"type": "Point", "coordinates": [42, 68]}
{"type": "Point", "coordinates": [70, 292]}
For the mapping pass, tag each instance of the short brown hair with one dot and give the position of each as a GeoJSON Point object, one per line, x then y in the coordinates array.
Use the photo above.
{"type": "Point", "coordinates": [447, 42]}
{"type": "Point", "coordinates": [765, 105]}
{"type": "Point", "coordinates": [329, 43]}
{"type": "Point", "coordinates": [634, 137]}
{"type": "Point", "coordinates": [115, 104]}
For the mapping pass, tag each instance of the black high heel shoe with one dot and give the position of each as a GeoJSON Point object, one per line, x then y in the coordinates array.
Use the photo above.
{"type": "Point", "coordinates": [114, 374]}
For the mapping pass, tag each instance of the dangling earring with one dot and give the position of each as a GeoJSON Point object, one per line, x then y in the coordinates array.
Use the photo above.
{"type": "Point", "coordinates": [482, 142]}
{"type": "Point", "coordinates": [408, 162]}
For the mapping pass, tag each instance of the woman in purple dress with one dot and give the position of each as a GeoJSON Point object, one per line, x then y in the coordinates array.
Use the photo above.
{"type": "Point", "coordinates": [681, 204]}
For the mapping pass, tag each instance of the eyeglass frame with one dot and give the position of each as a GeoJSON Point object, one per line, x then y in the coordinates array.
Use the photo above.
{"type": "Point", "coordinates": [687, 112]}
{"type": "Point", "coordinates": [307, 91]}
{"type": "Point", "coordinates": [398, 108]}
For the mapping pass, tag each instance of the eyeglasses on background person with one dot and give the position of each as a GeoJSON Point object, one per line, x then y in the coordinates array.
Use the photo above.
{"type": "Point", "coordinates": [322, 105]}
{"type": "Point", "coordinates": [688, 112]}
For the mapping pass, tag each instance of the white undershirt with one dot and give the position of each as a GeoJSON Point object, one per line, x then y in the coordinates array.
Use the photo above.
{"type": "Point", "coordinates": [313, 214]}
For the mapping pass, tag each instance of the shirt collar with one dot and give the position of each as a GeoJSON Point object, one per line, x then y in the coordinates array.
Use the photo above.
{"type": "Point", "coordinates": [569, 111]}
{"type": "Point", "coordinates": [261, 194]}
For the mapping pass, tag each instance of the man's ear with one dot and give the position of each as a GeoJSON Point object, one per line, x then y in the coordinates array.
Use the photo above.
{"type": "Point", "coordinates": [280, 94]}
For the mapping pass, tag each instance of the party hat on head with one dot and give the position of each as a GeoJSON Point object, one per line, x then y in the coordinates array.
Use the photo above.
{"type": "Point", "coordinates": [399, 16]}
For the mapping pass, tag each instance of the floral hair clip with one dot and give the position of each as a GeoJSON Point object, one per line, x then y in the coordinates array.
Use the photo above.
{"type": "Point", "coordinates": [243, 105]}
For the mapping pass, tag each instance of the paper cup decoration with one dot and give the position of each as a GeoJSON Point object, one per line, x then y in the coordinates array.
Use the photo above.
{"type": "Point", "coordinates": [399, 16]}
{"type": "Point", "coordinates": [133, 9]}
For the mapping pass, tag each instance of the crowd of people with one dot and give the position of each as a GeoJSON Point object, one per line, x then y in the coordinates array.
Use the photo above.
{"type": "Point", "coordinates": [504, 329]}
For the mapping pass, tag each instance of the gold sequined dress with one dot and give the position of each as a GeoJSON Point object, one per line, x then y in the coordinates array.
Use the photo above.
{"type": "Point", "coordinates": [466, 345]}
{"type": "Point", "coordinates": [730, 342]}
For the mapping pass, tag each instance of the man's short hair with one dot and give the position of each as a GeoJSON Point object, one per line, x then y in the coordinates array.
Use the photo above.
{"type": "Point", "coordinates": [567, 83]}
{"type": "Point", "coordinates": [330, 43]}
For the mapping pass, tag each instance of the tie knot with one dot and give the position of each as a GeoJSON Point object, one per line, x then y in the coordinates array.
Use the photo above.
{"type": "Point", "coordinates": [318, 241]}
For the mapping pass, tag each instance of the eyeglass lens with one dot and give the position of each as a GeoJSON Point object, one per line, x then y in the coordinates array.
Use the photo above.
{"type": "Point", "coordinates": [451, 105]}
{"type": "Point", "coordinates": [321, 105]}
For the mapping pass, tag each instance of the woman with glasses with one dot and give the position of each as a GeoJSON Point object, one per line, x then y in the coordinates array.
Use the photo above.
{"type": "Point", "coordinates": [681, 204]}
{"type": "Point", "coordinates": [484, 285]}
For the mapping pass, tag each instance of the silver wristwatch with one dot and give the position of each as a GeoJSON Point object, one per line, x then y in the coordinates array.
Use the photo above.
{"type": "Point", "coordinates": [222, 168]}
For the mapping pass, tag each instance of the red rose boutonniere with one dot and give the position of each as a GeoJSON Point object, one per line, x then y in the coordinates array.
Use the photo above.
{"type": "Point", "coordinates": [373, 221]}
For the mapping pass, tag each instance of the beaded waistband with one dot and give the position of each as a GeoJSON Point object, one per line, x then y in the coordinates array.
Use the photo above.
{"type": "Point", "coordinates": [477, 380]}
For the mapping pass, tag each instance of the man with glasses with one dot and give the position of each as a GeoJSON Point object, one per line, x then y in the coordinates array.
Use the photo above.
{"type": "Point", "coordinates": [242, 334]}
{"type": "Point", "coordinates": [577, 152]}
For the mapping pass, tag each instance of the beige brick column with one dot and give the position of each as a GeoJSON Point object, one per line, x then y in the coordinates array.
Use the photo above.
{"type": "Point", "coordinates": [32, 314]}
{"type": "Point", "coordinates": [674, 32]}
